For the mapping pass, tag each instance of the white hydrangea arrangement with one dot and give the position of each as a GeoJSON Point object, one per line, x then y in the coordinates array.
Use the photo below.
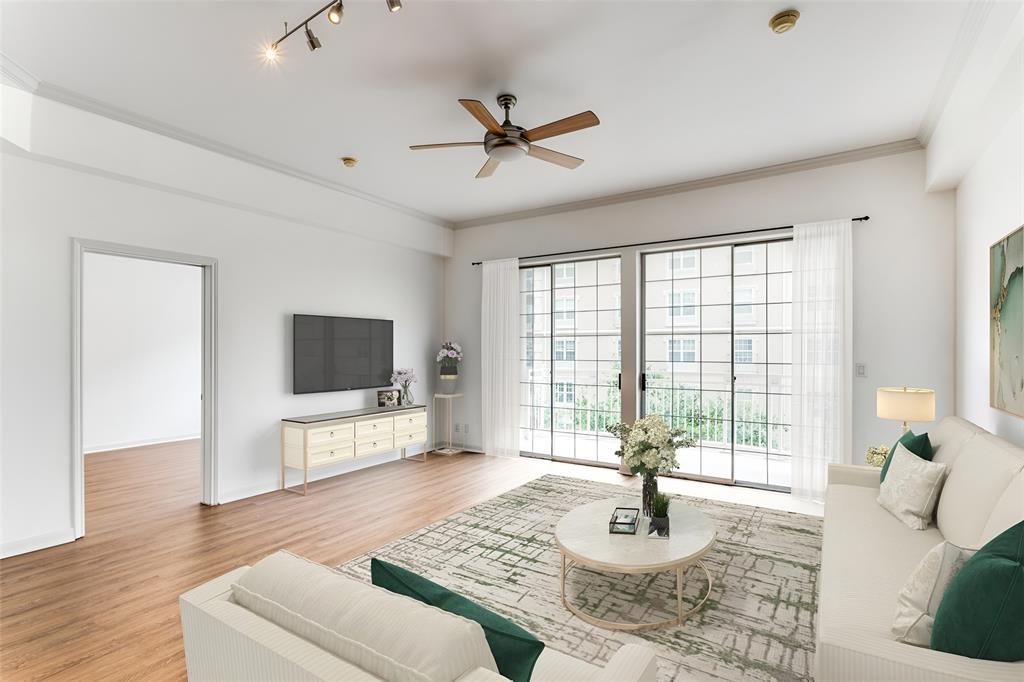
{"type": "Point", "coordinates": [649, 445]}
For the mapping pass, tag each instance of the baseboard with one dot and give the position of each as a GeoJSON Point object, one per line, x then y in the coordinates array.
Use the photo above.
{"type": "Point", "coordinates": [138, 443]}
{"type": "Point", "coordinates": [37, 542]}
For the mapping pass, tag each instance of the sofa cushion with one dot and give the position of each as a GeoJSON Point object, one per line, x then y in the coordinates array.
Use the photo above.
{"type": "Point", "coordinates": [949, 436]}
{"type": "Point", "coordinates": [978, 478]}
{"type": "Point", "coordinates": [912, 488]}
{"type": "Point", "coordinates": [299, 594]}
{"type": "Point", "coordinates": [514, 649]}
{"type": "Point", "coordinates": [982, 614]}
{"type": "Point", "coordinates": [920, 445]}
{"type": "Point", "coordinates": [920, 597]}
{"type": "Point", "coordinates": [1008, 511]}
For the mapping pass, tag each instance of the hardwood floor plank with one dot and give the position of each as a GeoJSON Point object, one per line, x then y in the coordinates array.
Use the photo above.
{"type": "Point", "coordinates": [106, 606]}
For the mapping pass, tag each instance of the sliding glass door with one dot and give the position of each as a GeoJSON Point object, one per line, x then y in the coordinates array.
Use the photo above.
{"type": "Point", "coordinates": [570, 349]}
{"type": "Point", "coordinates": [716, 358]}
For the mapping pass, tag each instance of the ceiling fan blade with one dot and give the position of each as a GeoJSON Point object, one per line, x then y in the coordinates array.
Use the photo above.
{"type": "Point", "coordinates": [480, 113]}
{"type": "Point", "coordinates": [551, 156]}
{"type": "Point", "coordinates": [444, 145]}
{"type": "Point", "coordinates": [488, 168]}
{"type": "Point", "coordinates": [566, 125]}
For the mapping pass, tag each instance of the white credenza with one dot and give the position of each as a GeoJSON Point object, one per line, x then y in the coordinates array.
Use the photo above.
{"type": "Point", "coordinates": [325, 439]}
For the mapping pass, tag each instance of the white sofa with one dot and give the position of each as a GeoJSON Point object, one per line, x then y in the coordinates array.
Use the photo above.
{"type": "Point", "coordinates": [867, 555]}
{"type": "Point", "coordinates": [288, 618]}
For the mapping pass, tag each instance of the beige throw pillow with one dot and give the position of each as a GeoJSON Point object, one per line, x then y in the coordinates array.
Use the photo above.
{"type": "Point", "coordinates": [911, 488]}
{"type": "Point", "coordinates": [919, 598]}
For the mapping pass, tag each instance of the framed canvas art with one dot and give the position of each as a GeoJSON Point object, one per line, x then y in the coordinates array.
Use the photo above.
{"type": "Point", "coordinates": [1006, 323]}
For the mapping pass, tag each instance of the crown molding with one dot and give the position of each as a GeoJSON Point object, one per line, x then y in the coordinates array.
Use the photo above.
{"type": "Point", "coordinates": [17, 75]}
{"type": "Point", "coordinates": [85, 103]}
{"type": "Point", "coordinates": [963, 46]}
{"type": "Point", "coordinates": [864, 153]}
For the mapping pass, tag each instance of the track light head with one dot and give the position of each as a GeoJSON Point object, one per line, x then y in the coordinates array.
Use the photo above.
{"type": "Point", "coordinates": [270, 53]}
{"type": "Point", "coordinates": [394, 5]}
{"type": "Point", "coordinates": [336, 12]}
{"type": "Point", "coordinates": [312, 40]}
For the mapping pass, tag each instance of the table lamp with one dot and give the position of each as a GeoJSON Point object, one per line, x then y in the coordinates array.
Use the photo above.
{"type": "Point", "coordinates": [905, 404]}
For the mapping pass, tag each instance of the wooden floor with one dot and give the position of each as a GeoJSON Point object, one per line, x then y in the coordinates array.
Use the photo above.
{"type": "Point", "coordinates": [105, 607]}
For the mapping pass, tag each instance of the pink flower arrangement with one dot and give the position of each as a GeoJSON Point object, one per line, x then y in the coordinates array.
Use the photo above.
{"type": "Point", "coordinates": [450, 354]}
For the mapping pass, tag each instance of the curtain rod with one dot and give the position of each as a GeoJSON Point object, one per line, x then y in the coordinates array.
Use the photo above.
{"type": "Point", "coordinates": [667, 241]}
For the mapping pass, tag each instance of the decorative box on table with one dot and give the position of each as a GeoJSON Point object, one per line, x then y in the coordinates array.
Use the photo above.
{"type": "Point", "coordinates": [624, 521]}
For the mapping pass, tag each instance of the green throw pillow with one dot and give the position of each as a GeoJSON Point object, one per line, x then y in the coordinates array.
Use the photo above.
{"type": "Point", "coordinates": [981, 615]}
{"type": "Point", "coordinates": [514, 649]}
{"type": "Point", "coordinates": [919, 445]}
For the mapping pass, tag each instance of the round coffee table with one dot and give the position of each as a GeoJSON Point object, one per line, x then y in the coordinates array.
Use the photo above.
{"type": "Point", "coordinates": [583, 539]}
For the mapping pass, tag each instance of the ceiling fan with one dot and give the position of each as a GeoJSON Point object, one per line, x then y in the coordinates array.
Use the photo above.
{"type": "Point", "coordinates": [509, 142]}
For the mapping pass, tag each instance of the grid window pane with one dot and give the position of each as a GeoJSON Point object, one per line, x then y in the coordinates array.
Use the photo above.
{"type": "Point", "coordinates": [717, 331]}
{"type": "Point", "coordinates": [570, 358]}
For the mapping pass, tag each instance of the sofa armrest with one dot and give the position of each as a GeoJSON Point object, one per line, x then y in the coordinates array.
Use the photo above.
{"type": "Point", "coordinates": [853, 474]}
{"type": "Point", "coordinates": [631, 663]}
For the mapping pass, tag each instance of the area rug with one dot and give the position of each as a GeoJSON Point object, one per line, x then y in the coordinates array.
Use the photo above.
{"type": "Point", "coordinates": [758, 623]}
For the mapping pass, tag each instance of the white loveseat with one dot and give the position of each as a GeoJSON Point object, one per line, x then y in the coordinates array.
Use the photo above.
{"type": "Point", "coordinates": [867, 555]}
{"type": "Point", "coordinates": [288, 618]}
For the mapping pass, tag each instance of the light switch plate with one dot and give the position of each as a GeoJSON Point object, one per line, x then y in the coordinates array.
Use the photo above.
{"type": "Point", "coordinates": [860, 369]}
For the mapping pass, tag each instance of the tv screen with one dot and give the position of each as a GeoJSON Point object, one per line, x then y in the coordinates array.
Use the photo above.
{"type": "Point", "coordinates": [340, 353]}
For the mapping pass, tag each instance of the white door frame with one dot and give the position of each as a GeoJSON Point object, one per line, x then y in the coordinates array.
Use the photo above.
{"type": "Point", "coordinates": [80, 247]}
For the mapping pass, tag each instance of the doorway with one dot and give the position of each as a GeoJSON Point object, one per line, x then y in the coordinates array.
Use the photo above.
{"type": "Point", "coordinates": [143, 390]}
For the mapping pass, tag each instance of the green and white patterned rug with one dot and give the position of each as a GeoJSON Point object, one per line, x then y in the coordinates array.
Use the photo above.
{"type": "Point", "coordinates": [758, 623]}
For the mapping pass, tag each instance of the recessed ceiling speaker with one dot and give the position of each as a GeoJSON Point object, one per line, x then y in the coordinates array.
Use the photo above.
{"type": "Point", "coordinates": [784, 21]}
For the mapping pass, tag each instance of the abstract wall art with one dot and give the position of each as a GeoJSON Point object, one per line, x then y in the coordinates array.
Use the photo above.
{"type": "Point", "coordinates": [1006, 323]}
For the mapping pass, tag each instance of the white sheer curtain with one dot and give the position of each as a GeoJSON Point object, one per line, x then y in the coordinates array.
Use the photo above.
{"type": "Point", "coordinates": [822, 352]}
{"type": "Point", "coordinates": [499, 360]}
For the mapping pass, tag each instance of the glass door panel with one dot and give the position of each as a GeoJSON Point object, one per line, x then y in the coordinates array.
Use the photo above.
{"type": "Point", "coordinates": [573, 395]}
{"type": "Point", "coordinates": [716, 357]}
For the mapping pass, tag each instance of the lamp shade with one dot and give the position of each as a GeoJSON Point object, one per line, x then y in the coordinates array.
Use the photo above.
{"type": "Point", "coordinates": [905, 404]}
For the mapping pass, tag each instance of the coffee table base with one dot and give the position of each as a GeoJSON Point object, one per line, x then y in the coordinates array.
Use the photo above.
{"type": "Point", "coordinates": [681, 615]}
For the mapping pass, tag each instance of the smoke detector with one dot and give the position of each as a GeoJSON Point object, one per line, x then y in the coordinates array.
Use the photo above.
{"type": "Point", "coordinates": [349, 161]}
{"type": "Point", "coordinates": [783, 21]}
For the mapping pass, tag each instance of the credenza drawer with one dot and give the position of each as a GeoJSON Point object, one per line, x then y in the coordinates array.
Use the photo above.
{"type": "Point", "coordinates": [330, 434]}
{"type": "Point", "coordinates": [336, 454]}
{"type": "Point", "coordinates": [404, 440]}
{"type": "Point", "coordinates": [373, 427]}
{"type": "Point", "coordinates": [415, 421]}
{"type": "Point", "coordinates": [382, 443]}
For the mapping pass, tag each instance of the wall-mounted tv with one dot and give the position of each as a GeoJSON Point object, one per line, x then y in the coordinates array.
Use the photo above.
{"type": "Point", "coordinates": [340, 353]}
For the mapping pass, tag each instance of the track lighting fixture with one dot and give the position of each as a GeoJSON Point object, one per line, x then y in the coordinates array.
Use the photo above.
{"type": "Point", "coordinates": [335, 13]}
{"type": "Point", "coordinates": [312, 40]}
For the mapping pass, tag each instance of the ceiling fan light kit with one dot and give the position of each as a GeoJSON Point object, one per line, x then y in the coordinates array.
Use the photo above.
{"type": "Point", "coordinates": [506, 142]}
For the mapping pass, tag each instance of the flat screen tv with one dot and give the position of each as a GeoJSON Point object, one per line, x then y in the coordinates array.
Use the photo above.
{"type": "Point", "coordinates": [340, 353]}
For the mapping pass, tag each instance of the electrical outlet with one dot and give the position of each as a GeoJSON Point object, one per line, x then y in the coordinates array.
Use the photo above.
{"type": "Point", "coordinates": [465, 429]}
{"type": "Point", "coordinates": [860, 369]}
{"type": "Point", "coordinates": [457, 427]}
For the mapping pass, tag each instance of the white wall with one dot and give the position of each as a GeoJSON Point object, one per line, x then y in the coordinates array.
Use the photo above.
{"type": "Point", "coordinates": [142, 342]}
{"type": "Point", "coordinates": [903, 266]}
{"type": "Point", "coordinates": [990, 205]}
{"type": "Point", "coordinates": [269, 268]}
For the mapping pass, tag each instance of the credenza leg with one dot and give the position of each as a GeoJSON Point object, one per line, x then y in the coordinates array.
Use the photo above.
{"type": "Point", "coordinates": [305, 480]}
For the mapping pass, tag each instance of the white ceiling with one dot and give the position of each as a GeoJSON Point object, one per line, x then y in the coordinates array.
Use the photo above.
{"type": "Point", "coordinates": [684, 90]}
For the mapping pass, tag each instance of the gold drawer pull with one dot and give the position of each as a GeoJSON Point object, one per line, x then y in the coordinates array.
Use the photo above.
{"type": "Point", "coordinates": [331, 435]}
{"type": "Point", "coordinates": [374, 426]}
{"type": "Point", "coordinates": [374, 445]}
{"type": "Point", "coordinates": [332, 453]}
